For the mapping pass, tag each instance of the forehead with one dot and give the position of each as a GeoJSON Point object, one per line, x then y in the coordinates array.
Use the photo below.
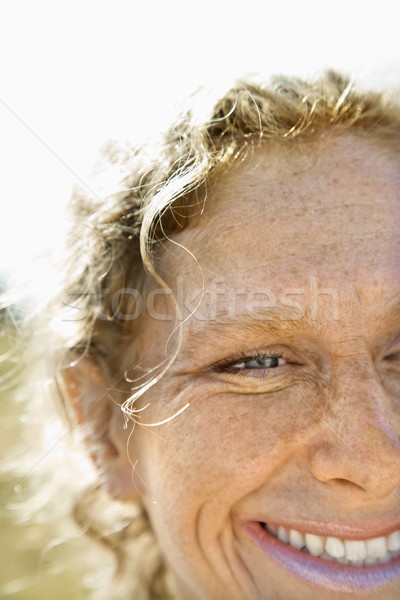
{"type": "Point", "coordinates": [330, 205]}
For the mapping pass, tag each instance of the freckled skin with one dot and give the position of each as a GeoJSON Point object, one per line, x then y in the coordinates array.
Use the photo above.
{"type": "Point", "coordinates": [318, 440]}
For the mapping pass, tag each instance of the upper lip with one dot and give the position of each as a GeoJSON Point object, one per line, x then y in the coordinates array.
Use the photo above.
{"type": "Point", "coordinates": [369, 528]}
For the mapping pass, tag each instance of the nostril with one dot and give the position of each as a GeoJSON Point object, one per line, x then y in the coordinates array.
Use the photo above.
{"type": "Point", "coordinates": [346, 483]}
{"type": "Point", "coordinates": [377, 490]}
{"type": "Point", "coordinates": [371, 465]}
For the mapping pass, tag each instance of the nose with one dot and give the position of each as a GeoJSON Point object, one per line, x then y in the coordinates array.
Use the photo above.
{"type": "Point", "coordinates": [358, 441]}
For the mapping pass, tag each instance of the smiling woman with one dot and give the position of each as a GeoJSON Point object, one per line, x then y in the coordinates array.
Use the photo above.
{"type": "Point", "coordinates": [236, 362]}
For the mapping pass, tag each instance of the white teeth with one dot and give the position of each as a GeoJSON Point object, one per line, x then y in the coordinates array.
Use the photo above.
{"type": "Point", "coordinates": [359, 553]}
{"type": "Point", "coordinates": [393, 541]}
{"type": "Point", "coordinates": [377, 547]}
{"type": "Point", "coordinates": [283, 535]}
{"type": "Point", "coordinates": [334, 547]}
{"type": "Point", "coordinates": [355, 550]}
{"type": "Point", "coordinates": [315, 544]}
{"type": "Point", "coordinates": [387, 559]}
{"type": "Point", "coordinates": [370, 561]}
{"type": "Point", "coordinates": [296, 539]}
{"type": "Point", "coordinates": [357, 563]}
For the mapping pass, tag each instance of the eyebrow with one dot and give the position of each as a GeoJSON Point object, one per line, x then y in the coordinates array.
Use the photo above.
{"type": "Point", "coordinates": [262, 322]}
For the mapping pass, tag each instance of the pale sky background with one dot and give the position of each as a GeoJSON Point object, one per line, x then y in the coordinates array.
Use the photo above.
{"type": "Point", "coordinates": [76, 73]}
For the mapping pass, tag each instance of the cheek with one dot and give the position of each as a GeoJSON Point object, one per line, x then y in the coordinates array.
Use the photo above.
{"type": "Point", "coordinates": [225, 446]}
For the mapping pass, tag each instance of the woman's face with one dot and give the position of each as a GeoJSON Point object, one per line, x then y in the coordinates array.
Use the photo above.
{"type": "Point", "coordinates": [291, 369]}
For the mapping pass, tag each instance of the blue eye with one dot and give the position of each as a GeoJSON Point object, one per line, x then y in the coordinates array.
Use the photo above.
{"type": "Point", "coordinates": [256, 365]}
{"type": "Point", "coordinates": [260, 362]}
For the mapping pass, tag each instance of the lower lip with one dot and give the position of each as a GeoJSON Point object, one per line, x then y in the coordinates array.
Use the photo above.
{"type": "Point", "coordinates": [321, 572]}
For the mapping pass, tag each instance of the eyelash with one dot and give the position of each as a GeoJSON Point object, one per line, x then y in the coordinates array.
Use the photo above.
{"type": "Point", "coordinates": [230, 365]}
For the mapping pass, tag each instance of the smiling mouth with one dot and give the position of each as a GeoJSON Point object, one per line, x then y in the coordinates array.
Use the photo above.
{"type": "Point", "coordinates": [339, 564]}
{"type": "Point", "coordinates": [355, 553]}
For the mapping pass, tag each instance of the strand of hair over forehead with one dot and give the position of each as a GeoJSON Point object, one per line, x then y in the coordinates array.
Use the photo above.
{"type": "Point", "coordinates": [189, 175]}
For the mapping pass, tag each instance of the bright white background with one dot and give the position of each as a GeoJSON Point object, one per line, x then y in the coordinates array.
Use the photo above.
{"type": "Point", "coordinates": [76, 73]}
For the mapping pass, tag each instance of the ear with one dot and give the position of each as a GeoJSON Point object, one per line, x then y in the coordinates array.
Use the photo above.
{"type": "Point", "coordinates": [96, 409]}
